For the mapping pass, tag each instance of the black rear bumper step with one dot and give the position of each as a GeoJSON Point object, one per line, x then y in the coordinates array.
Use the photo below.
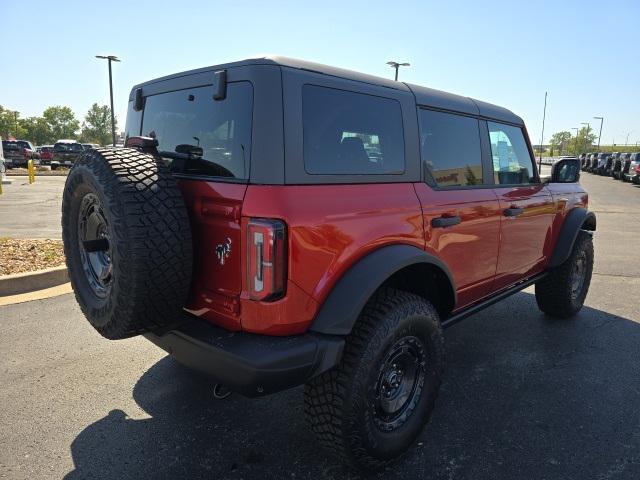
{"type": "Point", "coordinates": [250, 364]}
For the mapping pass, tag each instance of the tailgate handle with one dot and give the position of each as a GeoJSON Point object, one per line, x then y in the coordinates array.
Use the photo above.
{"type": "Point", "coordinates": [444, 222]}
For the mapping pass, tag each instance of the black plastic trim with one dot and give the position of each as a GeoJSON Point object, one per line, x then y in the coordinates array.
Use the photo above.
{"type": "Point", "coordinates": [341, 309]}
{"type": "Point", "coordinates": [481, 305]}
{"type": "Point", "coordinates": [573, 223]}
{"type": "Point", "coordinates": [250, 364]}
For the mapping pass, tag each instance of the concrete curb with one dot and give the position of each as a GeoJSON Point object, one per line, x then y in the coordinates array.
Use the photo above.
{"type": "Point", "coordinates": [30, 281]}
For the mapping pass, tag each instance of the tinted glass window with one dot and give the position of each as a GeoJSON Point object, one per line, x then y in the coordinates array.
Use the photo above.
{"type": "Point", "coordinates": [450, 146]}
{"type": "Point", "coordinates": [351, 133]}
{"type": "Point", "coordinates": [512, 163]}
{"type": "Point", "coordinates": [201, 136]}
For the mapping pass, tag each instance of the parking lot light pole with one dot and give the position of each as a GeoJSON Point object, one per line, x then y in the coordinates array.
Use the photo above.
{"type": "Point", "coordinates": [397, 65]}
{"type": "Point", "coordinates": [109, 59]}
{"type": "Point", "coordinates": [600, 134]}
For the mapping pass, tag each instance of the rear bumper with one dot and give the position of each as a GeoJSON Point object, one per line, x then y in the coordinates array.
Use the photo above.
{"type": "Point", "coordinates": [250, 364]}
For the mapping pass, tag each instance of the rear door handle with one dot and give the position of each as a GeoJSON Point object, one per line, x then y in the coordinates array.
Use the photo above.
{"type": "Point", "coordinates": [513, 212]}
{"type": "Point", "coordinates": [443, 222]}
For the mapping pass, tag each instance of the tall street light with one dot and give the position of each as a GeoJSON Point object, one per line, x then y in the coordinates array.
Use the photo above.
{"type": "Point", "coordinates": [397, 65]}
{"type": "Point", "coordinates": [600, 134]}
{"type": "Point", "coordinates": [109, 59]}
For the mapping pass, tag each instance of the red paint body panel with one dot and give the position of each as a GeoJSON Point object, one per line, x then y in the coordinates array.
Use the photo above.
{"type": "Point", "coordinates": [525, 239]}
{"type": "Point", "coordinates": [331, 227]}
{"type": "Point", "coordinates": [469, 249]}
{"type": "Point", "coordinates": [215, 213]}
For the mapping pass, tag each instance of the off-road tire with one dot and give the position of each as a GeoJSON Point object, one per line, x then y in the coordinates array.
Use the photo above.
{"type": "Point", "coordinates": [338, 403]}
{"type": "Point", "coordinates": [149, 237]}
{"type": "Point", "coordinates": [554, 293]}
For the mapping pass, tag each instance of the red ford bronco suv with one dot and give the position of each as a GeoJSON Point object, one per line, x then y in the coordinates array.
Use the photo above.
{"type": "Point", "coordinates": [275, 222]}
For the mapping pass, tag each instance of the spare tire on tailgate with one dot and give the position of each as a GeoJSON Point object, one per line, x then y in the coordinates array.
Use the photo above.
{"type": "Point", "coordinates": [127, 241]}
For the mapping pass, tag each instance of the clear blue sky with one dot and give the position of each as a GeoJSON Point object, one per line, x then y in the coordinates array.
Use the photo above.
{"type": "Point", "coordinates": [586, 54]}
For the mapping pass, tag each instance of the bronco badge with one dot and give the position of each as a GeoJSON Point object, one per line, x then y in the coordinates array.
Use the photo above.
{"type": "Point", "coordinates": [223, 251]}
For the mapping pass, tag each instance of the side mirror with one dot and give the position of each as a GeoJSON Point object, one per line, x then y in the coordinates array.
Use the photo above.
{"type": "Point", "coordinates": [566, 170]}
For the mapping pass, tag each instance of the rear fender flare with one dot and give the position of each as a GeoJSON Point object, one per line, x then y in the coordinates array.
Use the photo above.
{"type": "Point", "coordinates": [340, 311]}
{"type": "Point", "coordinates": [577, 219]}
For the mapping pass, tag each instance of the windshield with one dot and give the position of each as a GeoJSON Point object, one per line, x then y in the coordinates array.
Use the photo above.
{"type": "Point", "coordinates": [67, 147]}
{"type": "Point", "coordinates": [10, 145]}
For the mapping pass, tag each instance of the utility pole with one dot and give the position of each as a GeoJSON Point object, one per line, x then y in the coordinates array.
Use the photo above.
{"type": "Point", "coordinates": [397, 65]}
{"type": "Point", "coordinates": [109, 59]}
{"type": "Point", "coordinates": [544, 116]}
{"type": "Point", "coordinates": [600, 134]}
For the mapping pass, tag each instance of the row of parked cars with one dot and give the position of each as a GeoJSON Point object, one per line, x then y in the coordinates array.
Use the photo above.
{"type": "Point", "coordinates": [621, 166]}
{"type": "Point", "coordinates": [17, 153]}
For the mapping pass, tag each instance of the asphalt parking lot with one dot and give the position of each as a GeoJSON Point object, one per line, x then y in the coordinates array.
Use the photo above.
{"type": "Point", "coordinates": [524, 397]}
{"type": "Point", "coordinates": [31, 211]}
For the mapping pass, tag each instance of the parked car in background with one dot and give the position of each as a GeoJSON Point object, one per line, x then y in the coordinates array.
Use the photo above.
{"type": "Point", "coordinates": [46, 154]}
{"type": "Point", "coordinates": [633, 173]}
{"type": "Point", "coordinates": [618, 165]}
{"type": "Point", "coordinates": [608, 169]}
{"type": "Point", "coordinates": [625, 161]}
{"type": "Point", "coordinates": [66, 152]}
{"type": "Point", "coordinates": [89, 146]}
{"type": "Point", "coordinates": [604, 160]}
{"type": "Point", "coordinates": [592, 165]}
{"type": "Point", "coordinates": [583, 158]}
{"type": "Point", "coordinates": [17, 153]}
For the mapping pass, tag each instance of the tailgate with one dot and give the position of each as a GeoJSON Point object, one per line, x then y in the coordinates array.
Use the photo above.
{"type": "Point", "coordinates": [215, 211]}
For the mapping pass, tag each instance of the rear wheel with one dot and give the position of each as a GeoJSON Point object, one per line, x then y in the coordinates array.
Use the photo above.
{"type": "Point", "coordinates": [370, 409]}
{"type": "Point", "coordinates": [127, 241]}
{"type": "Point", "coordinates": [562, 292]}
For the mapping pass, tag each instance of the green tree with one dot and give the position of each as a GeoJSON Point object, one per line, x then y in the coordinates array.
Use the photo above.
{"type": "Point", "coordinates": [37, 130]}
{"type": "Point", "coordinates": [560, 141]}
{"type": "Point", "coordinates": [10, 124]}
{"type": "Point", "coordinates": [583, 140]}
{"type": "Point", "coordinates": [62, 122]}
{"type": "Point", "coordinates": [96, 127]}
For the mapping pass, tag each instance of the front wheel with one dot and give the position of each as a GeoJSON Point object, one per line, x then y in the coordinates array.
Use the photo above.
{"type": "Point", "coordinates": [562, 292]}
{"type": "Point", "coordinates": [374, 404]}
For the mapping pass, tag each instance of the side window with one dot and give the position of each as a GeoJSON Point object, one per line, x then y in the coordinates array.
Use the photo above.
{"type": "Point", "coordinates": [347, 133]}
{"type": "Point", "coordinates": [512, 163]}
{"type": "Point", "coordinates": [450, 146]}
{"type": "Point", "coordinates": [200, 136]}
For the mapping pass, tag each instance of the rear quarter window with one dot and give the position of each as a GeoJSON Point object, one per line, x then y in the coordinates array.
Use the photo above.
{"type": "Point", "coordinates": [348, 133]}
{"type": "Point", "coordinates": [190, 120]}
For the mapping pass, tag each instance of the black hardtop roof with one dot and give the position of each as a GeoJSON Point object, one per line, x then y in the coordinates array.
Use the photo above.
{"type": "Point", "coordinates": [424, 96]}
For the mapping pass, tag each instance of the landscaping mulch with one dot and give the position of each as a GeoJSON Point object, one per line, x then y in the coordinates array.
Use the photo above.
{"type": "Point", "coordinates": [46, 172]}
{"type": "Point", "coordinates": [19, 255]}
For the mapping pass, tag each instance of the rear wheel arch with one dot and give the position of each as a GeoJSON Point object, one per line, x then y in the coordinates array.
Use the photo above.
{"type": "Point", "coordinates": [403, 267]}
{"type": "Point", "coordinates": [577, 219]}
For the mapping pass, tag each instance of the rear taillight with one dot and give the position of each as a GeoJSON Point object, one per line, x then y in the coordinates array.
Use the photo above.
{"type": "Point", "coordinates": [266, 259]}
